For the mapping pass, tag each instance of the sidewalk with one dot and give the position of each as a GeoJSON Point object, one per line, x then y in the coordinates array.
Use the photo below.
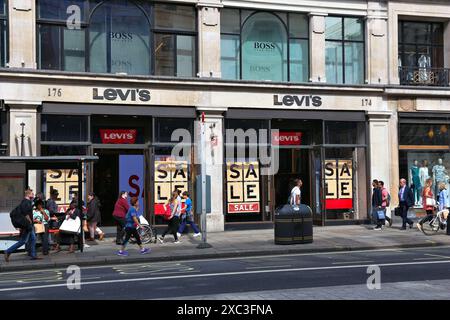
{"type": "Point", "coordinates": [234, 244]}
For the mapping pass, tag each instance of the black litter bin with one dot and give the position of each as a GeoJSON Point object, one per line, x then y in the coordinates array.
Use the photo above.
{"type": "Point", "coordinates": [293, 224]}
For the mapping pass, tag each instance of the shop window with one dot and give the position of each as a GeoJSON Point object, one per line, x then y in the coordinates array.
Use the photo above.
{"type": "Point", "coordinates": [117, 37]}
{"type": "Point", "coordinates": [344, 50]}
{"type": "Point", "coordinates": [164, 128]}
{"type": "Point", "coordinates": [344, 132]}
{"type": "Point", "coordinates": [424, 134]}
{"type": "Point", "coordinates": [64, 128]}
{"type": "Point", "coordinates": [52, 150]}
{"type": "Point", "coordinates": [3, 131]}
{"type": "Point", "coordinates": [3, 33]}
{"type": "Point", "coordinates": [264, 46]}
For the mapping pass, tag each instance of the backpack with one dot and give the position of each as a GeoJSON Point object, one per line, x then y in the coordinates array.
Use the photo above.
{"type": "Point", "coordinates": [388, 199]}
{"type": "Point", "coordinates": [18, 220]}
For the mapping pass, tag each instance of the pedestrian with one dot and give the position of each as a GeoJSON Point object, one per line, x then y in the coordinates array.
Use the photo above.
{"type": "Point", "coordinates": [174, 218]}
{"type": "Point", "coordinates": [94, 217]}
{"type": "Point", "coordinates": [428, 203]}
{"type": "Point", "coordinates": [296, 193]}
{"type": "Point", "coordinates": [188, 217]}
{"type": "Point", "coordinates": [132, 222]}
{"type": "Point", "coordinates": [72, 213]}
{"type": "Point", "coordinates": [22, 217]}
{"type": "Point", "coordinates": [120, 211]}
{"type": "Point", "coordinates": [377, 205]}
{"type": "Point", "coordinates": [41, 217]}
{"type": "Point", "coordinates": [385, 200]}
{"type": "Point", "coordinates": [55, 215]}
{"type": "Point", "coordinates": [406, 201]}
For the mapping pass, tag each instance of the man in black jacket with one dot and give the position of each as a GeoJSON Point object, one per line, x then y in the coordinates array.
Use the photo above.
{"type": "Point", "coordinates": [27, 235]}
{"type": "Point", "coordinates": [406, 198]}
{"type": "Point", "coordinates": [377, 202]}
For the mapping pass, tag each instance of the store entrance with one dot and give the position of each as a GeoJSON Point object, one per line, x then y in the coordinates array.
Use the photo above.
{"type": "Point", "coordinates": [294, 164]}
{"type": "Point", "coordinates": [110, 175]}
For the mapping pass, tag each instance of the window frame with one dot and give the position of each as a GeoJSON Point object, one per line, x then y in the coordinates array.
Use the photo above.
{"type": "Point", "coordinates": [416, 45]}
{"type": "Point", "coordinates": [150, 15]}
{"type": "Point", "coordinates": [289, 38]}
{"type": "Point", "coordinates": [5, 46]}
{"type": "Point", "coordinates": [343, 42]}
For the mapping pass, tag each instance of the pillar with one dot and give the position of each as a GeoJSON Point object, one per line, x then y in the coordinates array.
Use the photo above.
{"type": "Point", "coordinates": [317, 47]}
{"type": "Point", "coordinates": [22, 34]}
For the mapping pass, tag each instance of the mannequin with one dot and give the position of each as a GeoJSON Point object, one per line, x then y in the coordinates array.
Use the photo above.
{"type": "Point", "coordinates": [424, 173]}
{"type": "Point", "coordinates": [439, 173]}
{"type": "Point", "coordinates": [415, 180]}
{"type": "Point", "coordinates": [424, 63]}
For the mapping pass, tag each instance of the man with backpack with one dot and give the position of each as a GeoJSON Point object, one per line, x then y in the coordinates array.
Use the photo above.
{"type": "Point", "coordinates": [22, 218]}
{"type": "Point", "coordinates": [386, 201]}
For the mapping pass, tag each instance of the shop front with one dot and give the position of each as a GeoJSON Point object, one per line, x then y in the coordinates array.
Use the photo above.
{"type": "Point", "coordinates": [326, 150]}
{"type": "Point", "coordinates": [424, 151]}
{"type": "Point", "coordinates": [135, 154]}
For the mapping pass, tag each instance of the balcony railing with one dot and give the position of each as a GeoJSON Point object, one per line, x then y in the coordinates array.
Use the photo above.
{"type": "Point", "coordinates": [415, 76]}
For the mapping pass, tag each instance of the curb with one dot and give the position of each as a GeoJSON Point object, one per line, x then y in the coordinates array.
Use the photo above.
{"type": "Point", "coordinates": [113, 260]}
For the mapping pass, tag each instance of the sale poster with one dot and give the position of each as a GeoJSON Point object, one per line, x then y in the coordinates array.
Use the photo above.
{"type": "Point", "coordinates": [243, 192]}
{"type": "Point", "coordinates": [63, 181]}
{"type": "Point", "coordinates": [338, 183]}
{"type": "Point", "coordinates": [131, 177]}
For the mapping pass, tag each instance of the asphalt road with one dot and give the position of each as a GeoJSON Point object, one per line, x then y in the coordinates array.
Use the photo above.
{"type": "Point", "coordinates": [204, 278]}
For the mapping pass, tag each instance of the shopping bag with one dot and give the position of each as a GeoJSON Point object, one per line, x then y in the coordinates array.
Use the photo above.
{"type": "Point", "coordinates": [39, 228]}
{"type": "Point", "coordinates": [71, 226]}
{"type": "Point", "coordinates": [430, 202]}
{"type": "Point", "coordinates": [381, 215]}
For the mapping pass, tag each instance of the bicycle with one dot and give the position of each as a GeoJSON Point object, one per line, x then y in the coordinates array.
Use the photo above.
{"type": "Point", "coordinates": [146, 232]}
{"type": "Point", "coordinates": [439, 222]}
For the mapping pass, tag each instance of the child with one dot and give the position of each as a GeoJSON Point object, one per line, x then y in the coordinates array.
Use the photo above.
{"type": "Point", "coordinates": [188, 217]}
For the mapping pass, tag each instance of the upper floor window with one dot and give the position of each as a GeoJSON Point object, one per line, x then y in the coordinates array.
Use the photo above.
{"type": "Point", "coordinates": [264, 46]}
{"type": "Point", "coordinates": [118, 36]}
{"type": "Point", "coordinates": [344, 50]}
{"type": "Point", "coordinates": [3, 32]}
{"type": "Point", "coordinates": [421, 53]}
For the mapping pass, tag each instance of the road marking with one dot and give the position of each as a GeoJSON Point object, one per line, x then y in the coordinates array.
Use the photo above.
{"type": "Point", "coordinates": [436, 255]}
{"type": "Point", "coordinates": [345, 262]}
{"type": "Point", "coordinates": [112, 266]}
{"type": "Point", "coordinates": [265, 267]}
{"type": "Point", "coordinates": [210, 275]}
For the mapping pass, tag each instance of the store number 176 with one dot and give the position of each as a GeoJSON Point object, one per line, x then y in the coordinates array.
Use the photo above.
{"type": "Point", "coordinates": [54, 92]}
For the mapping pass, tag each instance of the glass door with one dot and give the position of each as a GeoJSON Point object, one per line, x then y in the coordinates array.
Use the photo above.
{"type": "Point", "coordinates": [317, 186]}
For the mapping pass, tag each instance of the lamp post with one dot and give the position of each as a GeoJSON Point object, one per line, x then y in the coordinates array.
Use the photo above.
{"type": "Point", "coordinates": [22, 140]}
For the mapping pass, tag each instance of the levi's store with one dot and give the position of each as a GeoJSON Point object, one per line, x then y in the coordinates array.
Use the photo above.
{"type": "Point", "coordinates": [326, 150]}
{"type": "Point", "coordinates": [134, 153]}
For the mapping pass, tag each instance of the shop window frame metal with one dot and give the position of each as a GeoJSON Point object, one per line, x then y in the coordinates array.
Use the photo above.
{"type": "Point", "coordinates": [343, 42]}
{"type": "Point", "coordinates": [288, 44]}
{"type": "Point", "coordinates": [85, 23]}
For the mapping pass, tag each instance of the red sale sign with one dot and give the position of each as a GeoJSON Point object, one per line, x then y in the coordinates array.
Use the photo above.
{"type": "Point", "coordinates": [118, 136]}
{"type": "Point", "coordinates": [245, 207]}
{"type": "Point", "coordinates": [286, 138]}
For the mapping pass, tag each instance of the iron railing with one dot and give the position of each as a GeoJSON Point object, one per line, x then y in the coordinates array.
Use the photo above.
{"type": "Point", "coordinates": [416, 76]}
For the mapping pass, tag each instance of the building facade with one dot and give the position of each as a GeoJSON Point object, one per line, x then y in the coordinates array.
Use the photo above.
{"type": "Point", "coordinates": [355, 89]}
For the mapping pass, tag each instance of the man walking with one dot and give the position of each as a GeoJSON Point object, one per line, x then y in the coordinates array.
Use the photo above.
{"type": "Point", "coordinates": [377, 202]}
{"type": "Point", "coordinates": [385, 200]}
{"type": "Point", "coordinates": [406, 198]}
{"type": "Point", "coordinates": [22, 217]}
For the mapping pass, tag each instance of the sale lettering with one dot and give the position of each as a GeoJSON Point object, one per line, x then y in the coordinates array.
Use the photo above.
{"type": "Point", "coordinates": [243, 193]}
{"type": "Point", "coordinates": [65, 182]}
{"type": "Point", "coordinates": [338, 183]}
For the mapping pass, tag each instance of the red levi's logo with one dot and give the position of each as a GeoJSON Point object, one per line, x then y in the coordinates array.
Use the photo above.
{"type": "Point", "coordinates": [287, 138]}
{"type": "Point", "coordinates": [118, 136]}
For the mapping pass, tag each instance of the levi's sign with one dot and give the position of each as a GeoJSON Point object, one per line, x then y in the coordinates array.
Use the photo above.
{"type": "Point", "coordinates": [118, 136]}
{"type": "Point", "coordinates": [112, 94]}
{"type": "Point", "coordinates": [286, 138]}
{"type": "Point", "coordinates": [299, 101]}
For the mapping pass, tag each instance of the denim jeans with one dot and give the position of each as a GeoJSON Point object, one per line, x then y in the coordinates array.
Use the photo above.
{"type": "Point", "coordinates": [27, 237]}
{"type": "Point", "coordinates": [188, 220]}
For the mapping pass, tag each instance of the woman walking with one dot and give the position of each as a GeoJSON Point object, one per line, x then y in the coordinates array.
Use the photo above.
{"type": "Point", "coordinates": [72, 213]}
{"type": "Point", "coordinates": [120, 211]}
{"type": "Point", "coordinates": [41, 217]}
{"type": "Point", "coordinates": [131, 223]}
{"type": "Point", "coordinates": [174, 218]}
{"type": "Point", "coordinates": [427, 202]}
{"type": "Point", "coordinates": [94, 217]}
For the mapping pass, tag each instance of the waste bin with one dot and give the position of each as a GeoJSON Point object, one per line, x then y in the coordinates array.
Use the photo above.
{"type": "Point", "coordinates": [293, 224]}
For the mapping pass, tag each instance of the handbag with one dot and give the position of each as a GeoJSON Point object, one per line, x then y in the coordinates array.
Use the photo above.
{"type": "Point", "coordinates": [71, 226]}
{"type": "Point", "coordinates": [167, 212]}
{"type": "Point", "coordinates": [380, 214]}
{"type": "Point", "coordinates": [397, 212]}
{"type": "Point", "coordinates": [39, 228]}
{"type": "Point", "coordinates": [430, 202]}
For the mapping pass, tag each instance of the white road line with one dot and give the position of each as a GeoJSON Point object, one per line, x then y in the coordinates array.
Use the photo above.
{"type": "Point", "coordinates": [347, 262]}
{"type": "Point", "coordinates": [209, 275]}
{"type": "Point", "coordinates": [265, 267]}
{"type": "Point", "coordinates": [436, 255]}
{"type": "Point", "coordinates": [111, 266]}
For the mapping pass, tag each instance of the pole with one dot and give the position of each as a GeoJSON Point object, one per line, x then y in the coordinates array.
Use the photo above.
{"type": "Point", "coordinates": [80, 204]}
{"type": "Point", "coordinates": [204, 244]}
{"type": "Point", "coordinates": [22, 140]}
